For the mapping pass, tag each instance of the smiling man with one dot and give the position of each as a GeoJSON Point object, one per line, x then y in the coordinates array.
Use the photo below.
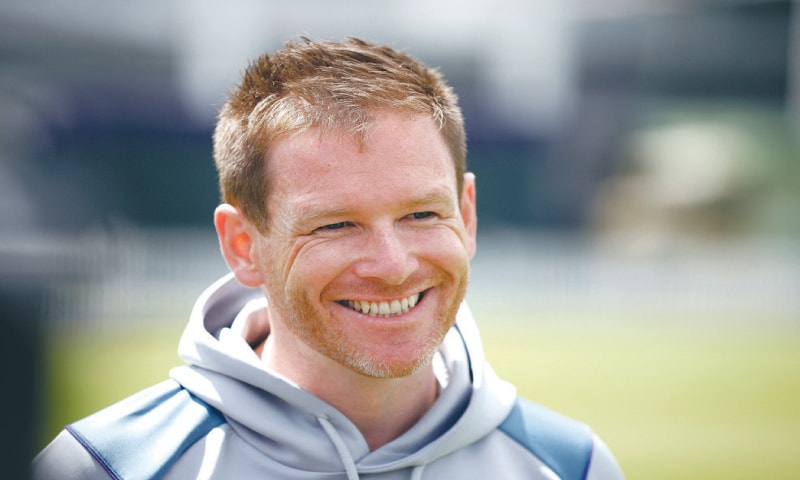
{"type": "Point", "coordinates": [339, 347]}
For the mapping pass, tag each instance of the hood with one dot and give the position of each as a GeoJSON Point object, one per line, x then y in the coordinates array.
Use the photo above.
{"type": "Point", "coordinates": [302, 431]}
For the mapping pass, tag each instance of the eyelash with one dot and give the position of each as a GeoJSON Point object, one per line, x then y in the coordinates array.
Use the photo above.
{"type": "Point", "coordinates": [341, 225]}
{"type": "Point", "coordinates": [335, 226]}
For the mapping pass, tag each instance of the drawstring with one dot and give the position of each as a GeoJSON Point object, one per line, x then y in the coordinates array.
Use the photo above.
{"type": "Point", "coordinates": [344, 453]}
{"type": "Point", "coordinates": [347, 459]}
{"type": "Point", "coordinates": [416, 474]}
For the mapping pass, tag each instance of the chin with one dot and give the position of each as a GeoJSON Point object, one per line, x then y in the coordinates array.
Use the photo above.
{"type": "Point", "coordinates": [396, 368]}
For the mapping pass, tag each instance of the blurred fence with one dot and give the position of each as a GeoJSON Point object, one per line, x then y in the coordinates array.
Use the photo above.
{"type": "Point", "coordinates": [544, 273]}
{"type": "Point", "coordinates": [100, 279]}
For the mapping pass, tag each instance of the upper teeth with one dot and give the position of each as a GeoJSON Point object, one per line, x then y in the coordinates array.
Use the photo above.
{"type": "Point", "coordinates": [384, 309]}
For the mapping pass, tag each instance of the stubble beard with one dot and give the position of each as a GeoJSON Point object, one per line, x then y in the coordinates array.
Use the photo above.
{"type": "Point", "coordinates": [313, 328]}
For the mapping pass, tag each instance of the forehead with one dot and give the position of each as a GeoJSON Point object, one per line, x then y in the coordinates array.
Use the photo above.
{"type": "Point", "coordinates": [399, 153]}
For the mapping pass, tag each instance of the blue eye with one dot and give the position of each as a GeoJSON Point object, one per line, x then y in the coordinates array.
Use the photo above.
{"type": "Point", "coordinates": [334, 226]}
{"type": "Point", "coordinates": [422, 215]}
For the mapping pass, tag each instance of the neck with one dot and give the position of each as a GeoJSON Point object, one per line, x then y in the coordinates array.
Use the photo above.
{"type": "Point", "coordinates": [381, 408]}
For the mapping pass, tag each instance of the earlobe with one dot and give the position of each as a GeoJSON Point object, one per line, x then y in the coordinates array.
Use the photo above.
{"type": "Point", "coordinates": [469, 212]}
{"type": "Point", "coordinates": [235, 234]}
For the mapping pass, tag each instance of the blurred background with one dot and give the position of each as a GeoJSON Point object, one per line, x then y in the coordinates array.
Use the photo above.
{"type": "Point", "coordinates": [638, 168]}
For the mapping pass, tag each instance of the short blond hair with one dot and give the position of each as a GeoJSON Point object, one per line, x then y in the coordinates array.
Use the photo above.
{"type": "Point", "coordinates": [330, 85]}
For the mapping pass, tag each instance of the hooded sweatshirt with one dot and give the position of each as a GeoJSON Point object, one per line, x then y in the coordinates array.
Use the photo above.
{"type": "Point", "coordinates": [224, 415]}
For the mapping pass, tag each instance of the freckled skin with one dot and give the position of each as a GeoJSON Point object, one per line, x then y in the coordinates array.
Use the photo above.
{"type": "Point", "coordinates": [348, 231]}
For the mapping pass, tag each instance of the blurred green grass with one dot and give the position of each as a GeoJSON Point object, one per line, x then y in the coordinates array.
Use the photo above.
{"type": "Point", "coordinates": [684, 398]}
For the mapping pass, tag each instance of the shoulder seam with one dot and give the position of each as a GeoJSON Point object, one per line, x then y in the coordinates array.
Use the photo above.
{"type": "Point", "coordinates": [562, 443]}
{"type": "Point", "coordinates": [87, 445]}
{"type": "Point", "coordinates": [129, 440]}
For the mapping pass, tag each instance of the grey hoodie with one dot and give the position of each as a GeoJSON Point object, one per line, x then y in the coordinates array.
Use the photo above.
{"type": "Point", "coordinates": [224, 416]}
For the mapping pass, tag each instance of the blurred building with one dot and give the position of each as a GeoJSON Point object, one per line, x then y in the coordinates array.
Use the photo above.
{"type": "Point", "coordinates": [635, 124]}
{"type": "Point", "coordinates": [107, 107]}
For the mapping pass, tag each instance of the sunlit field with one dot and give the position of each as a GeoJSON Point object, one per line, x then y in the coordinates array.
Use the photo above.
{"type": "Point", "coordinates": [674, 400]}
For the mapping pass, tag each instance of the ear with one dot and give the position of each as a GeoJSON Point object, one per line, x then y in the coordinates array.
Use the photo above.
{"type": "Point", "coordinates": [237, 242]}
{"type": "Point", "coordinates": [469, 212]}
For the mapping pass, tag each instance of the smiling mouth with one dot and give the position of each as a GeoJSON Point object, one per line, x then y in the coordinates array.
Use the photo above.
{"type": "Point", "coordinates": [384, 309]}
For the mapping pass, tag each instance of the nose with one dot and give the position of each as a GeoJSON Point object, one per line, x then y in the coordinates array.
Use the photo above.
{"type": "Point", "coordinates": [386, 256]}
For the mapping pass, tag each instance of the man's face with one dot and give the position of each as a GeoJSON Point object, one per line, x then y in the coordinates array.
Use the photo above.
{"type": "Point", "coordinates": [366, 255]}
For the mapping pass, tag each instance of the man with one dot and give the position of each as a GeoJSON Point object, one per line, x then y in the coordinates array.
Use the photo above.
{"type": "Point", "coordinates": [339, 347]}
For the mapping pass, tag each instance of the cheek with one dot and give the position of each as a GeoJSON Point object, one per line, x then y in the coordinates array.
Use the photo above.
{"type": "Point", "coordinates": [276, 261]}
{"type": "Point", "coordinates": [316, 265]}
{"type": "Point", "coordinates": [445, 248]}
